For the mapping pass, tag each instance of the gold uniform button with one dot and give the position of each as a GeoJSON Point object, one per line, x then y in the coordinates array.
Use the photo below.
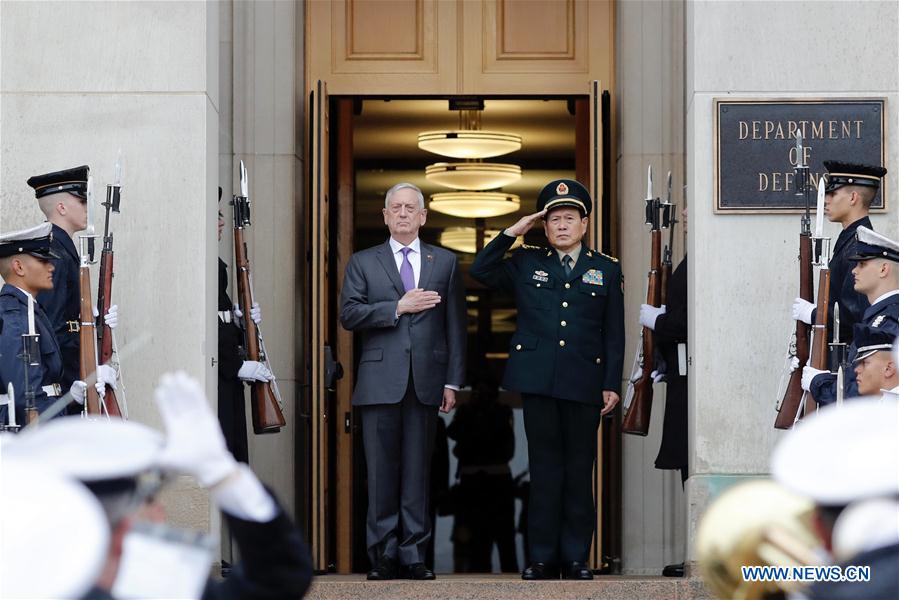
{"type": "Point", "coordinates": [564, 324]}
{"type": "Point", "coordinates": [567, 285]}
{"type": "Point", "coordinates": [538, 285]}
{"type": "Point", "coordinates": [598, 360]}
{"type": "Point", "coordinates": [518, 347]}
{"type": "Point", "coordinates": [562, 343]}
{"type": "Point", "coordinates": [564, 305]}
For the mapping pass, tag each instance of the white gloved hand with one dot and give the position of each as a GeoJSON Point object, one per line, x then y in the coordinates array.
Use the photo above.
{"type": "Point", "coordinates": [256, 313]}
{"type": "Point", "coordinates": [106, 375]}
{"type": "Point", "coordinates": [809, 373]}
{"type": "Point", "coordinates": [195, 444]}
{"type": "Point", "coordinates": [802, 310]}
{"type": "Point", "coordinates": [236, 310]}
{"type": "Point", "coordinates": [252, 370]}
{"type": "Point", "coordinates": [112, 316]}
{"type": "Point", "coordinates": [649, 314]}
{"type": "Point", "coordinates": [78, 391]}
{"type": "Point", "coordinates": [794, 363]}
{"type": "Point", "coordinates": [656, 376]}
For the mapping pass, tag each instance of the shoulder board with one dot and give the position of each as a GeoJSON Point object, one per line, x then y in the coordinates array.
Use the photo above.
{"type": "Point", "coordinates": [529, 247]}
{"type": "Point", "coordinates": [607, 256]}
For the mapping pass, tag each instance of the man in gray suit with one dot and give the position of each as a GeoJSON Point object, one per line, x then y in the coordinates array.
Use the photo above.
{"type": "Point", "coordinates": [407, 301]}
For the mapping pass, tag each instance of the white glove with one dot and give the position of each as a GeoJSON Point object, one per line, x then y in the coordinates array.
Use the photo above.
{"type": "Point", "coordinates": [256, 313]}
{"type": "Point", "coordinates": [106, 375]}
{"type": "Point", "coordinates": [112, 316]}
{"type": "Point", "coordinates": [78, 390]}
{"type": "Point", "coordinates": [236, 310]}
{"type": "Point", "coordinates": [656, 376]}
{"type": "Point", "coordinates": [252, 370]}
{"type": "Point", "coordinates": [195, 444]}
{"type": "Point", "coordinates": [809, 373]}
{"type": "Point", "coordinates": [794, 363]}
{"type": "Point", "coordinates": [802, 310]}
{"type": "Point", "coordinates": [649, 314]}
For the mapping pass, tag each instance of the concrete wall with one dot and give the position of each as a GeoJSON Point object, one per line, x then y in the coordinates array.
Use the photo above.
{"type": "Point", "coordinates": [79, 81]}
{"type": "Point", "coordinates": [743, 274]}
{"type": "Point", "coordinates": [650, 75]}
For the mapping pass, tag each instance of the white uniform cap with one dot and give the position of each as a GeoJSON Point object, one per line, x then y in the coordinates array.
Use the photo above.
{"type": "Point", "coordinates": [55, 536]}
{"type": "Point", "coordinates": [842, 454]}
{"type": "Point", "coordinates": [864, 526]}
{"type": "Point", "coordinates": [38, 231]}
{"type": "Point", "coordinates": [90, 449]}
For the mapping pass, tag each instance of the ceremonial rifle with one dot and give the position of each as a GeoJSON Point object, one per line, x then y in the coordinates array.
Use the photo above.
{"type": "Point", "coordinates": [638, 398]}
{"type": "Point", "coordinates": [837, 353]}
{"type": "Point", "coordinates": [31, 358]}
{"type": "Point", "coordinates": [265, 397]}
{"type": "Point", "coordinates": [104, 293]}
{"type": "Point", "coordinates": [669, 220]}
{"type": "Point", "coordinates": [87, 332]}
{"type": "Point", "coordinates": [790, 397]}
{"type": "Point", "coordinates": [822, 311]}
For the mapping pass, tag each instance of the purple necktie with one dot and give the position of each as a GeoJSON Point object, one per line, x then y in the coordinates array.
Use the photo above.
{"type": "Point", "coordinates": [406, 272]}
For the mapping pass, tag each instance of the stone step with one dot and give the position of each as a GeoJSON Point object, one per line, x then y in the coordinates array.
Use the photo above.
{"type": "Point", "coordinates": [490, 587]}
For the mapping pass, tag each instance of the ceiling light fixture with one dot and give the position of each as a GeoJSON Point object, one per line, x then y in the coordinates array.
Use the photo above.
{"type": "Point", "coordinates": [469, 143]}
{"type": "Point", "coordinates": [474, 205]}
{"type": "Point", "coordinates": [472, 176]}
{"type": "Point", "coordinates": [463, 239]}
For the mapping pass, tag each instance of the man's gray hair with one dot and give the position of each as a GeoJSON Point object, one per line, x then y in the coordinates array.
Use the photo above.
{"type": "Point", "coordinates": [400, 186]}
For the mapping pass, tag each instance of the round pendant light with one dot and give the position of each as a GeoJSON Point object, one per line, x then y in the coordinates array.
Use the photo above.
{"type": "Point", "coordinates": [474, 205]}
{"type": "Point", "coordinates": [472, 176]}
{"type": "Point", "coordinates": [463, 239]}
{"type": "Point", "coordinates": [469, 143]}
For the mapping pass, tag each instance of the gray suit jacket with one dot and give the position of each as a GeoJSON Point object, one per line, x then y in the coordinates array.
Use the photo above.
{"type": "Point", "coordinates": [434, 339]}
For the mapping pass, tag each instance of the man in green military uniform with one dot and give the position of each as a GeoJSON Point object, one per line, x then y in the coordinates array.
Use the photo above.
{"type": "Point", "coordinates": [565, 358]}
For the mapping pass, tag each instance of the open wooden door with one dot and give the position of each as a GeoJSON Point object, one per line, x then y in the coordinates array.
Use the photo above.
{"type": "Point", "coordinates": [592, 169]}
{"type": "Point", "coordinates": [317, 228]}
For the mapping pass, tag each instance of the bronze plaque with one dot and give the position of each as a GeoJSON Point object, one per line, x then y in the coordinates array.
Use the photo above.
{"type": "Point", "coordinates": [755, 148]}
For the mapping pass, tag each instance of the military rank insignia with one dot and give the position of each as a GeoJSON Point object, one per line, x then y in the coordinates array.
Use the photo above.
{"type": "Point", "coordinates": [541, 276]}
{"type": "Point", "coordinates": [593, 277]}
{"type": "Point", "coordinates": [877, 322]}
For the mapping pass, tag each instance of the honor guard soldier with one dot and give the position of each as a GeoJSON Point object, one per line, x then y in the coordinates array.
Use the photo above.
{"type": "Point", "coordinates": [876, 275]}
{"type": "Point", "coordinates": [62, 197]}
{"type": "Point", "coordinates": [26, 268]}
{"type": "Point", "coordinates": [874, 366]}
{"type": "Point", "coordinates": [850, 189]}
{"type": "Point", "coordinates": [565, 359]}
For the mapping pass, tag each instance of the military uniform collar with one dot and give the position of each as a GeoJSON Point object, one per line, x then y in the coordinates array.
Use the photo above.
{"type": "Point", "coordinates": [65, 240]}
{"type": "Point", "coordinates": [849, 233]}
{"type": "Point", "coordinates": [881, 303]}
{"type": "Point", "coordinates": [575, 253]}
{"type": "Point", "coordinates": [16, 292]}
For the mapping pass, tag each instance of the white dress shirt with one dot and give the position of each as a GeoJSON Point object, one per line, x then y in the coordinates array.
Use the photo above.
{"type": "Point", "coordinates": [414, 256]}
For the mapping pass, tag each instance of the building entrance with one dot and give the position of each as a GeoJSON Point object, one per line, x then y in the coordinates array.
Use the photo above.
{"type": "Point", "coordinates": [361, 146]}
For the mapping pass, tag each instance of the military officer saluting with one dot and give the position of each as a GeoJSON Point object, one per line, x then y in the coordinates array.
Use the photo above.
{"type": "Point", "coordinates": [62, 197]}
{"type": "Point", "coordinates": [850, 189]}
{"type": "Point", "coordinates": [876, 275]}
{"type": "Point", "coordinates": [565, 359]}
{"type": "Point", "coordinates": [26, 268]}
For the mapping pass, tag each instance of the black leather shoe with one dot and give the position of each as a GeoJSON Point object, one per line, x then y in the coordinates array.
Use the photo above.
{"type": "Point", "coordinates": [384, 570]}
{"type": "Point", "coordinates": [420, 572]}
{"type": "Point", "coordinates": [673, 570]}
{"type": "Point", "coordinates": [577, 570]}
{"type": "Point", "coordinates": [539, 570]}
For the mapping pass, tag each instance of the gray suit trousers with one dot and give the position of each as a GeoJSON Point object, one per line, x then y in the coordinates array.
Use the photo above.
{"type": "Point", "coordinates": [399, 441]}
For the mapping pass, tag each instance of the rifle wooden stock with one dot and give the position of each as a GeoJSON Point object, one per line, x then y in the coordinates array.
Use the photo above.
{"type": "Point", "coordinates": [819, 339]}
{"type": "Point", "coordinates": [266, 412]}
{"type": "Point", "coordinates": [88, 343]}
{"type": "Point", "coordinates": [664, 277]}
{"type": "Point", "coordinates": [636, 419]}
{"type": "Point", "coordinates": [789, 406]}
{"type": "Point", "coordinates": [104, 332]}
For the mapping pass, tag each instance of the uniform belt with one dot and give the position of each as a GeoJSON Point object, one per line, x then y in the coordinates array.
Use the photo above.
{"type": "Point", "coordinates": [226, 316]}
{"type": "Point", "coordinates": [74, 326]}
{"type": "Point", "coordinates": [53, 390]}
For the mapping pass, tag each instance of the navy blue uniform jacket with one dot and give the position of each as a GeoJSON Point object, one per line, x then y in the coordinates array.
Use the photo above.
{"type": "Point", "coordinates": [63, 304]}
{"type": "Point", "coordinates": [13, 324]}
{"type": "Point", "coordinates": [584, 309]}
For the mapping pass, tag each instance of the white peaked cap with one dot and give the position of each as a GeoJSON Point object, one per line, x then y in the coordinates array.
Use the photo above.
{"type": "Point", "coordinates": [54, 536]}
{"type": "Point", "coordinates": [842, 454]}
{"type": "Point", "coordinates": [90, 449]}
{"type": "Point", "coordinates": [864, 526]}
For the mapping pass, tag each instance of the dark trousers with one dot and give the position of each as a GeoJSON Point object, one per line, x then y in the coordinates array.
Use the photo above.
{"type": "Point", "coordinates": [561, 452]}
{"type": "Point", "coordinates": [398, 440]}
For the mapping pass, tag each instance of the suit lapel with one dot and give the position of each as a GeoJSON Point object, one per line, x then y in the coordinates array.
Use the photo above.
{"type": "Point", "coordinates": [550, 260]}
{"type": "Point", "coordinates": [427, 265]}
{"type": "Point", "coordinates": [385, 257]}
{"type": "Point", "coordinates": [584, 262]}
